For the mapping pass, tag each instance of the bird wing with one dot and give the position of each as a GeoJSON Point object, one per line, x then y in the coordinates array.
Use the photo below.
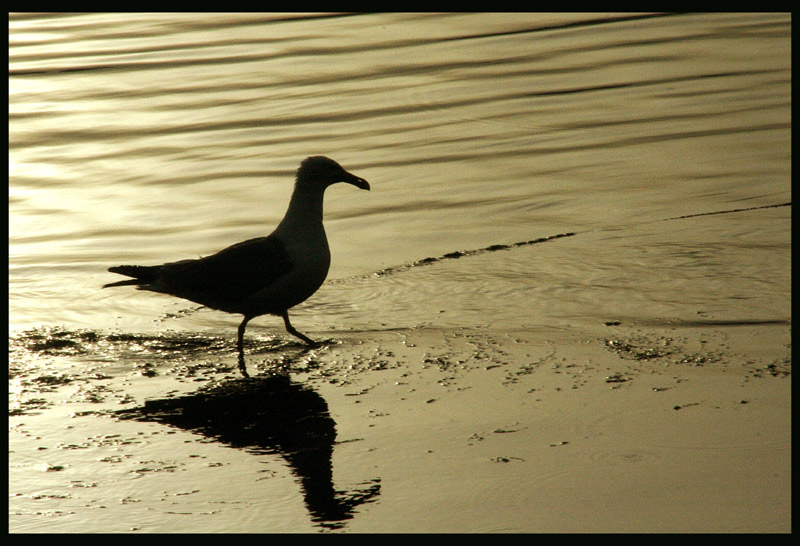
{"type": "Point", "coordinates": [228, 277]}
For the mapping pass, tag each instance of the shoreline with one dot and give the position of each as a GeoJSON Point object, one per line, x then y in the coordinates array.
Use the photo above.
{"type": "Point", "coordinates": [640, 429]}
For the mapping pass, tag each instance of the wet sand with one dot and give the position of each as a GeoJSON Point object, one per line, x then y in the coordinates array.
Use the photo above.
{"type": "Point", "coordinates": [629, 428]}
{"type": "Point", "coordinates": [637, 430]}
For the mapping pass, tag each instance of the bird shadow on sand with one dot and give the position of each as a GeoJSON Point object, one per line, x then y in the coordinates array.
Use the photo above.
{"type": "Point", "coordinates": [272, 347]}
{"type": "Point", "coordinates": [275, 415]}
{"type": "Point", "coordinates": [266, 414]}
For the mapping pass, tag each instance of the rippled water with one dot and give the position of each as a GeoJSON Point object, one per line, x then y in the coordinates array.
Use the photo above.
{"type": "Point", "coordinates": [149, 138]}
{"type": "Point", "coordinates": [526, 169]}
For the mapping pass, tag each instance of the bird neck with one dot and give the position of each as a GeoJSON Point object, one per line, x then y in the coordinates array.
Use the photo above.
{"type": "Point", "coordinates": [305, 210]}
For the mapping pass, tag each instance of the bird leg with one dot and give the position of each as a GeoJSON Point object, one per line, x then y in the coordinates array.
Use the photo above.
{"type": "Point", "coordinates": [291, 330]}
{"type": "Point", "coordinates": [240, 346]}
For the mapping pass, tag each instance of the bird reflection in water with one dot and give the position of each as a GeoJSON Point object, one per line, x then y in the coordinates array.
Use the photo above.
{"type": "Point", "coordinates": [269, 414]}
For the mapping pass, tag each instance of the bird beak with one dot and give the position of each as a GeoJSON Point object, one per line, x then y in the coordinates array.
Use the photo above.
{"type": "Point", "coordinates": [357, 182]}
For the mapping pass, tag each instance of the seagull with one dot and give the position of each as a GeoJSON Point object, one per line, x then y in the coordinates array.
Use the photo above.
{"type": "Point", "coordinates": [261, 276]}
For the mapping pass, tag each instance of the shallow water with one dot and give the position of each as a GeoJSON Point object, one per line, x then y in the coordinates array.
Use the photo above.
{"type": "Point", "coordinates": [528, 172]}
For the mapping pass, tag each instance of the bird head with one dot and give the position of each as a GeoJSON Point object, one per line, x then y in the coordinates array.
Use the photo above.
{"type": "Point", "coordinates": [320, 171]}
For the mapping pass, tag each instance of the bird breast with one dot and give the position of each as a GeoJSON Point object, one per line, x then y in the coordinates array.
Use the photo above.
{"type": "Point", "coordinates": [310, 263]}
